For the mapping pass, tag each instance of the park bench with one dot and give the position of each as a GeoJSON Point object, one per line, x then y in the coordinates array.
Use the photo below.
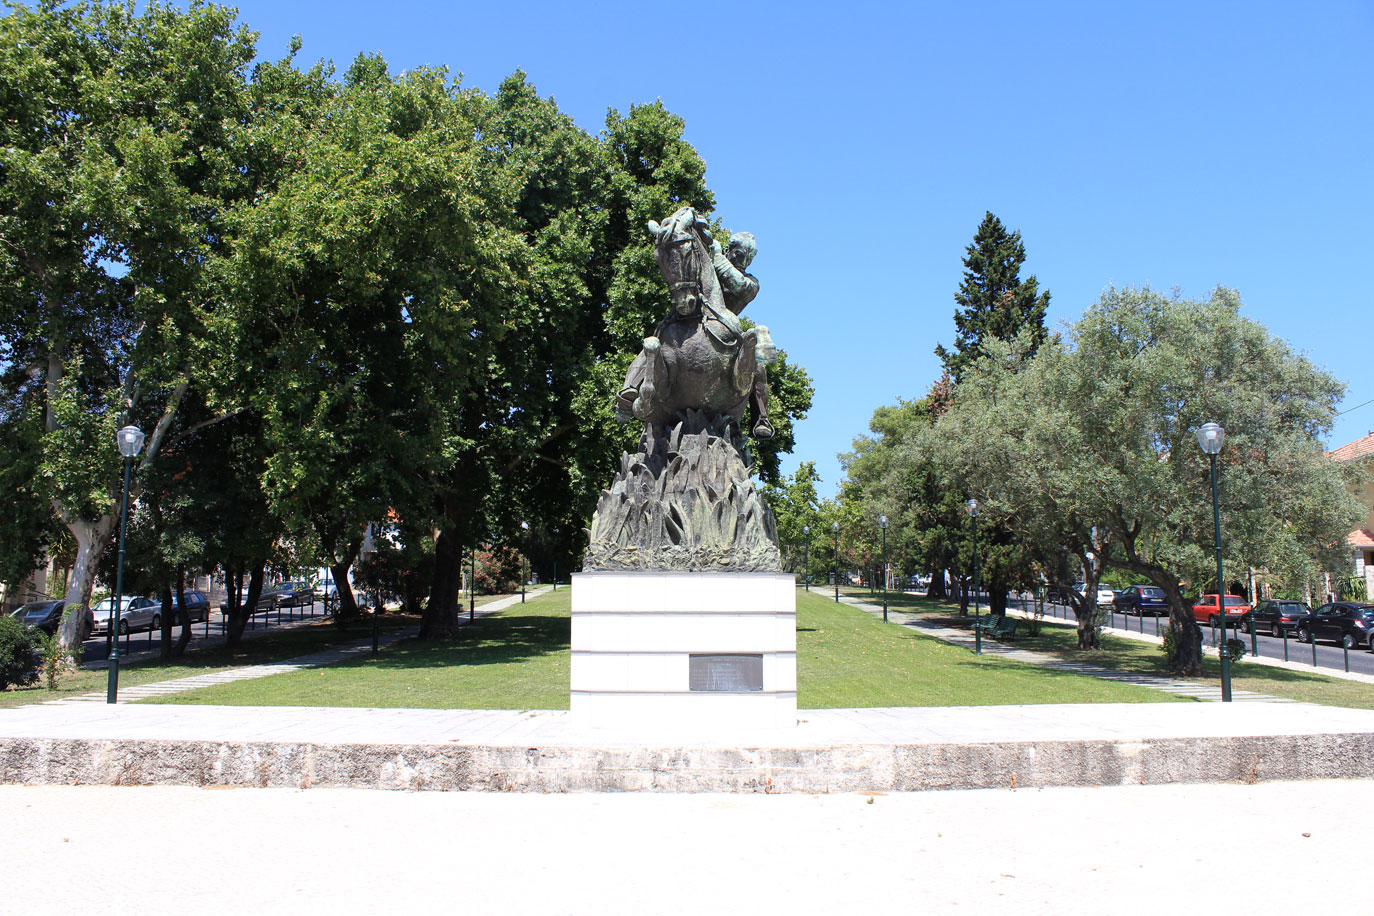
{"type": "Point", "coordinates": [987, 624]}
{"type": "Point", "coordinates": [1005, 628]}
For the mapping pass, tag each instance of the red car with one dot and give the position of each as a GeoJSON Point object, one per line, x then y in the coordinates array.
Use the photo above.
{"type": "Point", "coordinates": [1205, 611]}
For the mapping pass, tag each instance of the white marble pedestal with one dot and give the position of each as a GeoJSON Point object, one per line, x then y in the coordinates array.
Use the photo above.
{"type": "Point", "coordinates": [698, 649]}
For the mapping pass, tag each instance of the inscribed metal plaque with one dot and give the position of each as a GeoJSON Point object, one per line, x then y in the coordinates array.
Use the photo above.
{"type": "Point", "coordinates": [732, 673]}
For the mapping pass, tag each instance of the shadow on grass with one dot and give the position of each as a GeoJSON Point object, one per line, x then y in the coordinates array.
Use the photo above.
{"type": "Point", "coordinates": [491, 641]}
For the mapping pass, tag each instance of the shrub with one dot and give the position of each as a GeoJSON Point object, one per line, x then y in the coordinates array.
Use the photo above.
{"type": "Point", "coordinates": [17, 645]}
{"type": "Point", "coordinates": [51, 658]}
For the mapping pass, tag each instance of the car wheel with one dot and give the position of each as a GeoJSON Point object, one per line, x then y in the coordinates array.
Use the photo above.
{"type": "Point", "coordinates": [123, 627]}
{"type": "Point", "coordinates": [157, 623]}
{"type": "Point", "coordinates": [1304, 634]}
{"type": "Point", "coordinates": [1212, 621]}
{"type": "Point", "coordinates": [1274, 629]}
{"type": "Point", "coordinates": [1348, 641]}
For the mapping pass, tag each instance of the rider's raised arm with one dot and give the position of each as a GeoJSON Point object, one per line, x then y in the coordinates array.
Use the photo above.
{"type": "Point", "coordinates": [739, 287]}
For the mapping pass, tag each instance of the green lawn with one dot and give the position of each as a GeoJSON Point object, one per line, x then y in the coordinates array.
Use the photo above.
{"type": "Point", "coordinates": [519, 660]}
{"type": "Point", "coordinates": [1058, 637]}
{"type": "Point", "coordinates": [848, 658]}
{"type": "Point", "coordinates": [254, 650]}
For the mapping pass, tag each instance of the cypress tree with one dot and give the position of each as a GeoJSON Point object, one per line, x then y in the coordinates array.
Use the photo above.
{"type": "Point", "coordinates": [993, 301]}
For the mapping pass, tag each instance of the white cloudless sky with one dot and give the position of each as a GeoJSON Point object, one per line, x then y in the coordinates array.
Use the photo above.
{"type": "Point", "coordinates": [1175, 144]}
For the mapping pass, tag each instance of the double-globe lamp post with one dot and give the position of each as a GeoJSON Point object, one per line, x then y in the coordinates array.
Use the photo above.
{"type": "Point", "coordinates": [130, 441]}
{"type": "Point", "coordinates": [971, 507]}
{"type": "Point", "coordinates": [1210, 439]}
{"type": "Point", "coordinates": [835, 533]}
{"type": "Point", "coordinates": [882, 523]}
{"type": "Point", "coordinates": [806, 564]}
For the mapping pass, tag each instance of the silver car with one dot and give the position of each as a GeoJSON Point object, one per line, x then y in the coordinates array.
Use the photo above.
{"type": "Point", "coordinates": [134, 614]}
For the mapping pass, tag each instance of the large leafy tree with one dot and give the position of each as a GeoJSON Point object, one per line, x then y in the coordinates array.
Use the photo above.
{"type": "Point", "coordinates": [1095, 441]}
{"type": "Point", "coordinates": [993, 302]}
{"type": "Point", "coordinates": [113, 127]}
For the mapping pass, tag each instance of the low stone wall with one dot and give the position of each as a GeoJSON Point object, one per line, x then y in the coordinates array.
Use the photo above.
{"type": "Point", "coordinates": [850, 768]}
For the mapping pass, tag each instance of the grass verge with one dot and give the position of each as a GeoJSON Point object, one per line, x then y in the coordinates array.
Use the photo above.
{"type": "Point", "coordinates": [519, 659]}
{"type": "Point", "coordinates": [1058, 638]}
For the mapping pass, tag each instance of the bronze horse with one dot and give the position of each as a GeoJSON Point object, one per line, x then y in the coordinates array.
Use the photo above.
{"type": "Point", "coordinates": [700, 358]}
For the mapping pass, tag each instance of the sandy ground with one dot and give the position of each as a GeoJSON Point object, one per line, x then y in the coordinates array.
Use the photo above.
{"type": "Point", "coordinates": [1061, 851]}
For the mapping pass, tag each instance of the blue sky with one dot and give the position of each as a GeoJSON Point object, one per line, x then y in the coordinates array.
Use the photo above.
{"type": "Point", "coordinates": [1176, 144]}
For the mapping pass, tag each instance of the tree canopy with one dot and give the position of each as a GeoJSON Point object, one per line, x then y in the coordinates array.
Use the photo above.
{"type": "Point", "coordinates": [330, 300]}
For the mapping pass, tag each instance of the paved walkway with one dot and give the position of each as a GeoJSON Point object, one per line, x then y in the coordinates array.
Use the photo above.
{"type": "Point", "coordinates": [313, 660]}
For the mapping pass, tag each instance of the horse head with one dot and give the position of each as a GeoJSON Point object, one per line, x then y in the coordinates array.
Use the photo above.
{"type": "Point", "coordinates": [678, 245]}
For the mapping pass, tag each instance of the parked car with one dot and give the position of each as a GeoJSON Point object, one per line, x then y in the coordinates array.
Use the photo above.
{"type": "Point", "coordinates": [1141, 600]}
{"type": "Point", "coordinates": [1349, 623]}
{"type": "Point", "coordinates": [42, 615]}
{"type": "Point", "coordinates": [1205, 610]}
{"type": "Point", "coordinates": [1277, 616]}
{"type": "Point", "coordinates": [197, 606]}
{"type": "Point", "coordinates": [134, 614]}
{"type": "Point", "coordinates": [1105, 596]}
{"type": "Point", "coordinates": [298, 593]}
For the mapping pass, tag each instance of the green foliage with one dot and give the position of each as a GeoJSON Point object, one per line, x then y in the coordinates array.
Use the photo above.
{"type": "Point", "coordinates": [994, 303]}
{"type": "Point", "coordinates": [17, 645]}
{"type": "Point", "coordinates": [1090, 444]}
{"type": "Point", "coordinates": [53, 658]}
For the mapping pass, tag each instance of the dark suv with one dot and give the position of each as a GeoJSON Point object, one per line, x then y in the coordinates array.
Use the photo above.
{"type": "Point", "coordinates": [1349, 623]}
{"type": "Point", "coordinates": [42, 615]}
{"type": "Point", "coordinates": [1278, 616]}
{"type": "Point", "coordinates": [1141, 599]}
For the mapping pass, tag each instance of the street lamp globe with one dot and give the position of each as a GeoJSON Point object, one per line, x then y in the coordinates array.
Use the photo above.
{"type": "Point", "coordinates": [1210, 438]}
{"type": "Point", "coordinates": [130, 440]}
{"type": "Point", "coordinates": [971, 507]}
{"type": "Point", "coordinates": [835, 527]}
{"type": "Point", "coordinates": [882, 521]}
{"type": "Point", "coordinates": [806, 529]}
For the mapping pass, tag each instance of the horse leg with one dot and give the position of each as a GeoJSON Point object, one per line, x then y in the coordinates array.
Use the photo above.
{"type": "Point", "coordinates": [655, 374]}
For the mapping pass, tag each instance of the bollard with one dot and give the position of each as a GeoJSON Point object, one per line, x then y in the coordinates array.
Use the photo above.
{"type": "Point", "coordinates": [1284, 634]}
{"type": "Point", "coordinates": [1313, 639]}
{"type": "Point", "coordinates": [1346, 650]}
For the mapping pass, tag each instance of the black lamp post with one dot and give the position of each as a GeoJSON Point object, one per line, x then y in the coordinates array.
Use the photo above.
{"type": "Point", "coordinates": [130, 441]}
{"type": "Point", "coordinates": [806, 567]}
{"type": "Point", "coordinates": [524, 560]}
{"type": "Point", "coordinates": [1210, 439]}
{"type": "Point", "coordinates": [971, 507]}
{"type": "Point", "coordinates": [882, 523]}
{"type": "Point", "coordinates": [835, 531]}
{"type": "Point", "coordinates": [555, 559]}
{"type": "Point", "coordinates": [472, 583]}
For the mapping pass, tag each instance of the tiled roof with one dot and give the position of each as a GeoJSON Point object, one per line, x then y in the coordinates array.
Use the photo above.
{"type": "Point", "coordinates": [1360, 448]}
{"type": "Point", "coordinates": [1360, 537]}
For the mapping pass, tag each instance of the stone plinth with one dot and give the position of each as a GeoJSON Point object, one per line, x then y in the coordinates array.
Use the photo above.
{"type": "Point", "coordinates": [684, 648]}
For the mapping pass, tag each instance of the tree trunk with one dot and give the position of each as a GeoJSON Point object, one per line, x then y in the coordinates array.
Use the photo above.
{"type": "Point", "coordinates": [348, 605]}
{"type": "Point", "coordinates": [238, 617]}
{"type": "Point", "coordinates": [997, 597]}
{"type": "Point", "coordinates": [964, 584]}
{"type": "Point", "coordinates": [937, 589]}
{"type": "Point", "coordinates": [440, 619]}
{"type": "Point", "coordinates": [1186, 659]}
{"type": "Point", "coordinates": [184, 638]}
{"type": "Point", "coordinates": [91, 540]}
